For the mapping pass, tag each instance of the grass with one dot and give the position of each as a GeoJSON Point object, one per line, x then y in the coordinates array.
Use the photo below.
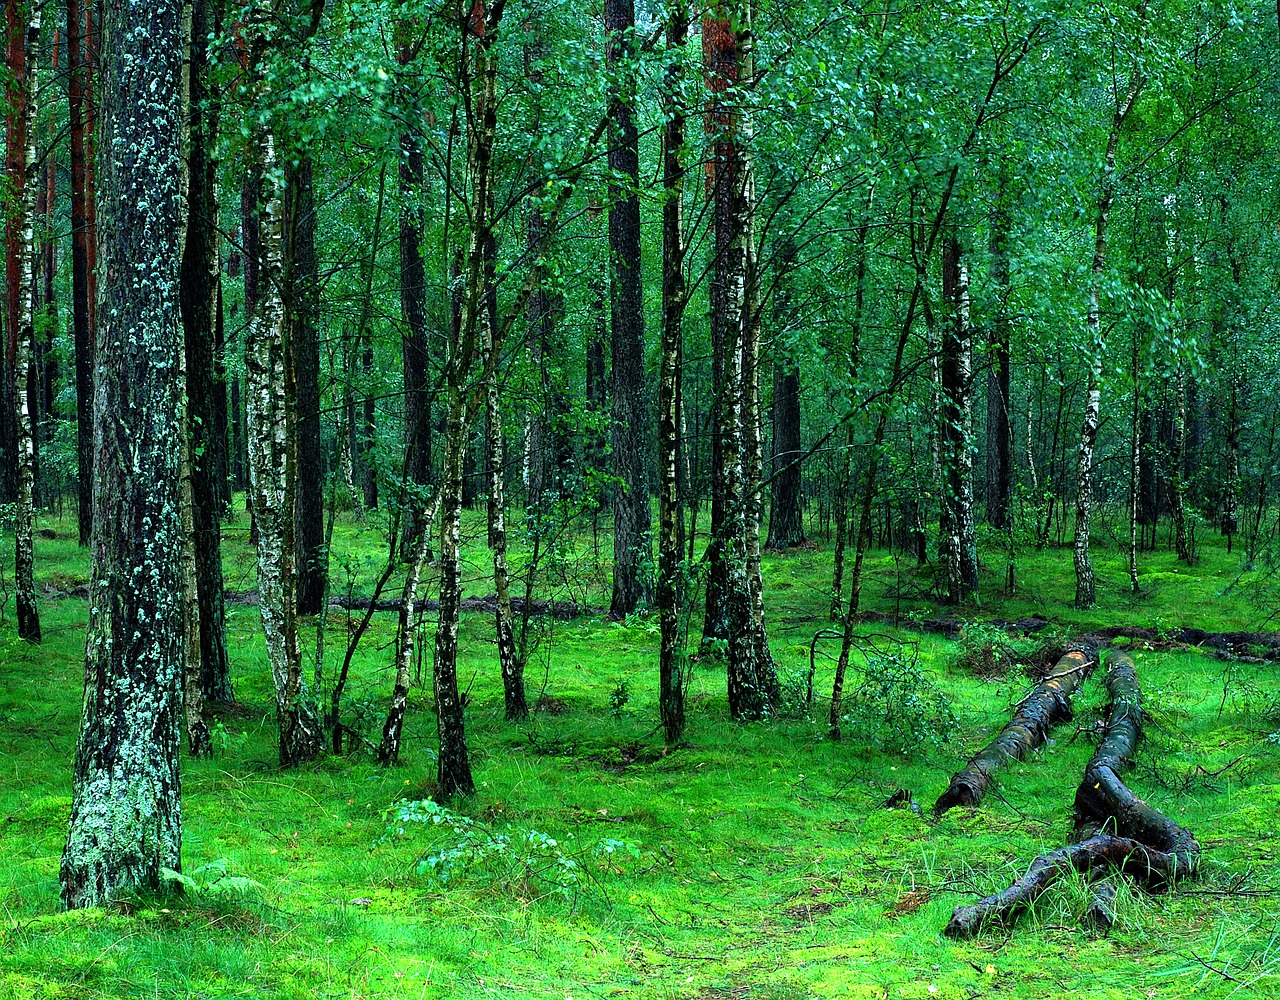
{"type": "Point", "coordinates": [764, 864]}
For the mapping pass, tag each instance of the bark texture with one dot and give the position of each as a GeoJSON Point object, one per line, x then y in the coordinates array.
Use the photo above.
{"type": "Point", "coordinates": [269, 420]}
{"type": "Point", "coordinates": [1085, 586]}
{"type": "Point", "coordinates": [1046, 706]}
{"type": "Point", "coordinates": [125, 817]}
{"type": "Point", "coordinates": [1119, 831]}
{"type": "Point", "coordinates": [674, 297]}
{"type": "Point", "coordinates": [960, 544]}
{"type": "Point", "coordinates": [198, 300]}
{"type": "Point", "coordinates": [632, 523]}
{"type": "Point", "coordinates": [23, 27]}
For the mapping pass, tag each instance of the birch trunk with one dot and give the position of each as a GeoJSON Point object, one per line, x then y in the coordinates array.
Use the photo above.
{"type": "Point", "coordinates": [82, 335]}
{"type": "Point", "coordinates": [508, 658]}
{"type": "Point", "coordinates": [270, 440]}
{"type": "Point", "coordinates": [1085, 587]}
{"type": "Point", "coordinates": [23, 23]}
{"type": "Point", "coordinates": [957, 430]}
{"type": "Point", "coordinates": [406, 643]}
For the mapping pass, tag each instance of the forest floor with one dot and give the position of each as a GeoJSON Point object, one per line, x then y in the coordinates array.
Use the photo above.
{"type": "Point", "coordinates": [755, 861]}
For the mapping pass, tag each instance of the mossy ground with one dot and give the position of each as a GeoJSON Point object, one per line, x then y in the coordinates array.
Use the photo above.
{"type": "Point", "coordinates": [766, 866]}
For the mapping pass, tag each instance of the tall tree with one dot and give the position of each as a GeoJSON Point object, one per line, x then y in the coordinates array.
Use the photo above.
{"type": "Point", "coordinates": [125, 817]}
{"type": "Point", "coordinates": [1000, 372]}
{"type": "Point", "coordinates": [22, 21]}
{"type": "Point", "coordinates": [956, 373]}
{"type": "Point", "coordinates": [198, 301]}
{"type": "Point", "coordinates": [301, 294]}
{"type": "Point", "coordinates": [632, 519]}
{"type": "Point", "coordinates": [670, 591]}
{"type": "Point", "coordinates": [786, 523]}
{"type": "Point", "coordinates": [1085, 588]}
{"type": "Point", "coordinates": [413, 309]}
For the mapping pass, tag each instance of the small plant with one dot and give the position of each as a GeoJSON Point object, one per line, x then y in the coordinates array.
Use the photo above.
{"type": "Point", "coordinates": [224, 740]}
{"type": "Point", "coordinates": [514, 856]}
{"type": "Point", "coordinates": [618, 699]}
{"type": "Point", "coordinates": [897, 706]}
{"type": "Point", "coordinates": [210, 879]}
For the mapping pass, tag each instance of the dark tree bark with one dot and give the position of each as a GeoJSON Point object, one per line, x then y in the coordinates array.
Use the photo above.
{"type": "Point", "coordinates": [1048, 704]}
{"type": "Point", "coordinates": [302, 305]}
{"type": "Point", "coordinates": [198, 301]}
{"type": "Point", "coordinates": [999, 375]}
{"type": "Point", "coordinates": [125, 817]}
{"type": "Point", "coordinates": [786, 522]}
{"type": "Point", "coordinates": [414, 348]}
{"type": "Point", "coordinates": [632, 520]}
{"type": "Point", "coordinates": [674, 298]}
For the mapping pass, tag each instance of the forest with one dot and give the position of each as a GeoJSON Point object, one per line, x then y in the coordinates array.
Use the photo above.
{"type": "Point", "coordinates": [745, 500]}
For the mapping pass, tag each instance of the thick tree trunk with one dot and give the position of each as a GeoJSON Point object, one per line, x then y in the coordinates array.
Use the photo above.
{"type": "Point", "coordinates": [125, 815]}
{"type": "Point", "coordinates": [271, 476]}
{"type": "Point", "coordinates": [956, 373]}
{"type": "Point", "coordinates": [198, 301]}
{"type": "Point", "coordinates": [632, 520]}
{"type": "Point", "coordinates": [23, 26]}
{"type": "Point", "coordinates": [302, 314]}
{"type": "Point", "coordinates": [671, 664]}
{"type": "Point", "coordinates": [1097, 349]}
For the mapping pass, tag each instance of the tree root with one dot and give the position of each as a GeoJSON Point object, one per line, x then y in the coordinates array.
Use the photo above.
{"type": "Point", "coordinates": [1119, 831]}
{"type": "Point", "coordinates": [1048, 704]}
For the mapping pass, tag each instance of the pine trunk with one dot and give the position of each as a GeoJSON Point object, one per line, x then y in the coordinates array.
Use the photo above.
{"type": "Point", "coordinates": [302, 314]}
{"type": "Point", "coordinates": [198, 301]}
{"type": "Point", "coordinates": [125, 815]}
{"type": "Point", "coordinates": [632, 519]}
{"type": "Point", "coordinates": [1000, 375]}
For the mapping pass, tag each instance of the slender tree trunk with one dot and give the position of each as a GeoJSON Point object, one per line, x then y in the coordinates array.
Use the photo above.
{"type": "Point", "coordinates": [844, 478]}
{"type": "Point", "coordinates": [1000, 443]}
{"type": "Point", "coordinates": [198, 301]}
{"type": "Point", "coordinates": [1085, 587]}
{"type": "Point", "coordinates": [1135, 465]}
{"type": "Point", "coordinates": [1177, 466]}
{"type": "Point", "coordinates": [125, 814]}
{"type": "Point", "coordinates": [956, 372]}
{"type": "Point", "coordinates": [23, 25]}
{"type": "Point", "coordinates": [406, 640]}
{"type": "Point", "coordinates": [632, 520]}
{"type": "Point", "coordinates": [413, 310]}
{"type": "Point", "coordinates": [674, 297]}
{"type": "Point", "coordinates": [271, 476]}
{"type": "Point", "coordinates": [786, 523]}
{"type": "Point", "coordinates": [752, 429]}
{"type": "Point", "coordinates": [302, 314]}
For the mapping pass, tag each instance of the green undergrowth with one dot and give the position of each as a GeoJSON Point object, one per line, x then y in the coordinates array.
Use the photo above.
{"type": "Point", "coordinates": [754, 861]}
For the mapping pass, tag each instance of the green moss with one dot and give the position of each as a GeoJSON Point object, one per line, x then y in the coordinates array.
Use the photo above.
{"type": "Point", "coordinates": [767, 867]}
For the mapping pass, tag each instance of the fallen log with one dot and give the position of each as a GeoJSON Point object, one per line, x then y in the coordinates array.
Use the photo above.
{"type": "Point", "coordinates": [1048, 704]}
{"type": "Point", "coordinates": [1119, 831]}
